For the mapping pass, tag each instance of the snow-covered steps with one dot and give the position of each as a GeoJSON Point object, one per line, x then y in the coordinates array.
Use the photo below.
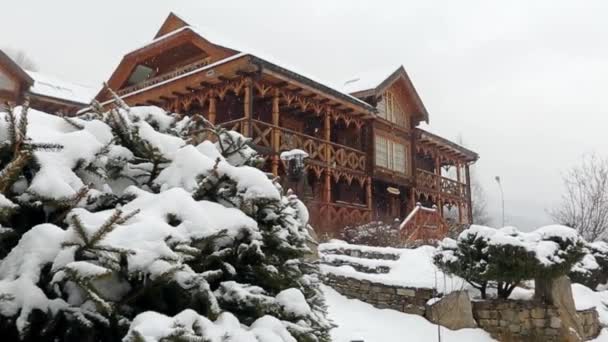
{"type": "Point", "coordinates": [359, 264]}
{"type": "Point", "coordinates": [336, 247]}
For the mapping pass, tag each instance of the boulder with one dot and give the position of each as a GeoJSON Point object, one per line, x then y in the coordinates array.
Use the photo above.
{"type": "Point", "coordinates": [558, 292]}
{"type": "Point", "coordinates": [452, 311]}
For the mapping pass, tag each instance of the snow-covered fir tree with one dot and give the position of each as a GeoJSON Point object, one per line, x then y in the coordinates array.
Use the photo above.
{"type": "Point", "coordinates": [141, 225]}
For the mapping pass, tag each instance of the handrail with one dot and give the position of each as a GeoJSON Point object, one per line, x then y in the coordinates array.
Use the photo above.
{"type": "Point", "coordinates": [341, 205]}
{"type": "Point", "coordinates": [221, 124]}
{"type": "Point", "coordinates": [439, 177]}
{"type": "Point", "coordinates": [308, 136]}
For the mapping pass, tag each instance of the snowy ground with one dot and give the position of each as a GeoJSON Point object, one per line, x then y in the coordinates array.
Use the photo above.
{"type": "Point", "coordinates": [359, 321]}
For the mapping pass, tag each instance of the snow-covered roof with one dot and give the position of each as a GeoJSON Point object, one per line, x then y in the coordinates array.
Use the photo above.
{"type": "Point", "coordinates": [367, 80]}
{"type": "Point", "coordinates": [229, 43]}
{"type": "Point", "coordinates": [51, 86]}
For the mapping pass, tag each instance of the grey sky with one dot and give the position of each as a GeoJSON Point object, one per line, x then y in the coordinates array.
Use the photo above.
{"type": "Point", "coordinates": [522, 81]}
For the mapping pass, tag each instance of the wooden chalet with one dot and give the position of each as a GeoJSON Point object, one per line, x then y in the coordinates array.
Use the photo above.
{"type": "Point", "coordinates": [367, 158]}
{"type": "Point", "coordinates": [45, 93]}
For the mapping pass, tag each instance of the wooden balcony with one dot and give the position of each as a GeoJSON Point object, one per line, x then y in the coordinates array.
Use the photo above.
{"type": "Point", "coordinates": [332, 216]}
{"type": "Point", "coordinates": [446, 187]}
{"type": "Point", "coordinates": [319, 151]}
{"type": "Point", "coordinates": [160, 78]}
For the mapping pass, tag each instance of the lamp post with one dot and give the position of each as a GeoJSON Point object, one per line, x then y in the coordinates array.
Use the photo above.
{"type": "Point", "coordinates": [502, 198]}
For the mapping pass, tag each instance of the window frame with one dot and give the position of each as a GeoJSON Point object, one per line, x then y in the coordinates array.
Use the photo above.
{"type": "Point", "coordinates": [391, 154]}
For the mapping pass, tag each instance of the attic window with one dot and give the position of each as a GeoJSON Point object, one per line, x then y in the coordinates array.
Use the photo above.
{"type": "Point", "coordinates": [140, 74]}
{"type": "Point", "coordinates": [390, 109]}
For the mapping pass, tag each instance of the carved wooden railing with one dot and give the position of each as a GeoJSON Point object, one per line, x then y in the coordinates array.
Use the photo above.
{"type": "Point", "coordinates": [434, 183]}
{"type": "Point", "coordinates": [155, 80]}
{"type": "Point", "coordinates": [334, 216]}
{"type": "Point", "coordinates": [423, 225]}
{"type": "Point", "coordinates": [320, 151]}
{"type": "Point", "coordinates": [232, 125]}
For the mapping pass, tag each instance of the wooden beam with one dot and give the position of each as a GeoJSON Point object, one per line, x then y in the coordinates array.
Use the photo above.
{"type": "Point", "coordinates": [212, 110]}
{"type": "Point", "coordinates": [166, 99]}
{"type": "Point", "coordinates": [280, 85]}
{"type": "Point", "coordinates": [154, 103]}
{"type": "Point", "coordinates": [276, 133]}
{"type": "Point", "coordinates": [178, 94]}
{"type": "Point", "coordinates": [247, 108]}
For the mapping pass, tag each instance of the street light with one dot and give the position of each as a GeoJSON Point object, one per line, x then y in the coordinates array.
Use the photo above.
{"type": "Point", "coordinates": [502, 197]}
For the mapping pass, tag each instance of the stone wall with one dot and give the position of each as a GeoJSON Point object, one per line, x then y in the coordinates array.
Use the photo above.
{"type": "Point", "coordinates": [405, 299]}
{"type": "Point", "coordinates": [358, 253]}
{"type": "Point", "coordinates": [514, 320]}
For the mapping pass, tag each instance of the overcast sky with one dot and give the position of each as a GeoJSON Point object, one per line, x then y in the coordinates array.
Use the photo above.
{"type": "Point", "coordinates": [524, 82]}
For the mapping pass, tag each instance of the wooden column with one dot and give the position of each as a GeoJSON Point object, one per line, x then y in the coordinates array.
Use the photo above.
{"type": "Point", "coordinates": [248, 107]}
{"type": "Point", "coordinates": [460, 216]}
{"type": "Point", "coordinates": [212, 109]}
{"type": "Point", "coordinates": [468, 189]}
{"type": "Point", "coordinates": [368, 189]}
{"type": "Point", "coordinates": [458, 171]}
{"type": "Point", "coordinates": [276, 134]}
{"type": "Point", "coordinates": [327, 180]}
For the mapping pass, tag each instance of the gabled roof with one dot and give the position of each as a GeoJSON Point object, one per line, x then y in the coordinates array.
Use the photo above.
{"type": "Point", "coordinates": [376, 82]}
{"type": "Point", "coordinates": [427, 137]}
{"type": "Point", "coordinates": [230, 48]}
{"type": "Point", "coordinates": [14, 69]}
{"type": "Point", "coordinates": [172, 23]}
{"type": "Point", "coordinates": [55, 88]}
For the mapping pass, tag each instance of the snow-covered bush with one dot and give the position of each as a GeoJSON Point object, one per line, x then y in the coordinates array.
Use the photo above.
{"type": "Point", "coordinates": [373, 234]}
{"type": "Point", "coordinates": [129, 224]}
{"type": "Point", "coordinates": [592, 270]}
{"type": "Point", "coordinates": [502, 258]}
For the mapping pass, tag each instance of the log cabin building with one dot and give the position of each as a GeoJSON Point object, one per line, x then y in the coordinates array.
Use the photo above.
{"type": "Point", "coordinates": [44, 92]}
{"type": "Point", "coordinates": [367, 157]}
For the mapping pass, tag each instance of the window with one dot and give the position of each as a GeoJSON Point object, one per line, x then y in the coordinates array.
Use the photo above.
{"type": "Point", "coordinates": [381, 151]}
{"type": "Point", "coordinates": [398, 158]}
{"type": "Point", "coordinates": [390, 154]}
{"type": "Point", "coordinates": [390, 109]}
{"type": "Point", "coordinates": [140, 74]}
{"type": "Point", "coordinates": [6, 83]}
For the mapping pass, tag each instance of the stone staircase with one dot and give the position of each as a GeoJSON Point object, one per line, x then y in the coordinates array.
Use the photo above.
{"type": "Point", "coordinates": [368, 262]}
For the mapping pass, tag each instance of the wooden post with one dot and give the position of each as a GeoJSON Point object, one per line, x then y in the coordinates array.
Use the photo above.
{"type": "Point", "coordinates": [276, 134]}
{"type": "Point", "coordinates": [468, 187]}
{"type": "Point", "coordinates": [458, 171]}
{"type": "Point", "coordinates": [212, 109]}
{"type": "Point", "coordinates": [248, 108]}
{"type": "Point", "coordinates": [369, 193]}
{"type": "Point", "coordinates": [460, 216]}
{"type": "Point", "coordinates": [327, 183]}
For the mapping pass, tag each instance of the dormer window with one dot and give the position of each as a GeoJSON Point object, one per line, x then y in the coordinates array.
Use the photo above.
{"type": "Point", "coordinates": [140, 74]}
{"type": "Point", "coordinates": [390, 109]}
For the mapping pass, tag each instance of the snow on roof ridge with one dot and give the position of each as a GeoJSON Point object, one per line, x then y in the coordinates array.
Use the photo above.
{"type": "Point", "coordinates": [369, 79]}
{"type": "Point", "coordinates": [218, 39]}
{"type": "Point", "coordinates": [55, 87]}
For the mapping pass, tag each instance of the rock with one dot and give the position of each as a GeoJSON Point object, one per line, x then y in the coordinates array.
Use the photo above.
{"type": "Point", "coordinates": [453, 311]}
{"type": "Point", "coordinates": [558, 292]}
{"type": "Point", "coordinates": [406, 292]}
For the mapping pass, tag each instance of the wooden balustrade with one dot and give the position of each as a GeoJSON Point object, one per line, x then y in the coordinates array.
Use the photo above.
{"type": "Point", "coordinates": [170, 75]}
{"type": "Point", "coordinates": [232, 125]}
{"type": "Point", "coordinates": [332, 216]}
{"type": "Point", "coordinates": [448, 187]}
{"type": "Point", "coordinates": [423, 224]}
{"type": "Point", "coordinates": [340, 156]}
